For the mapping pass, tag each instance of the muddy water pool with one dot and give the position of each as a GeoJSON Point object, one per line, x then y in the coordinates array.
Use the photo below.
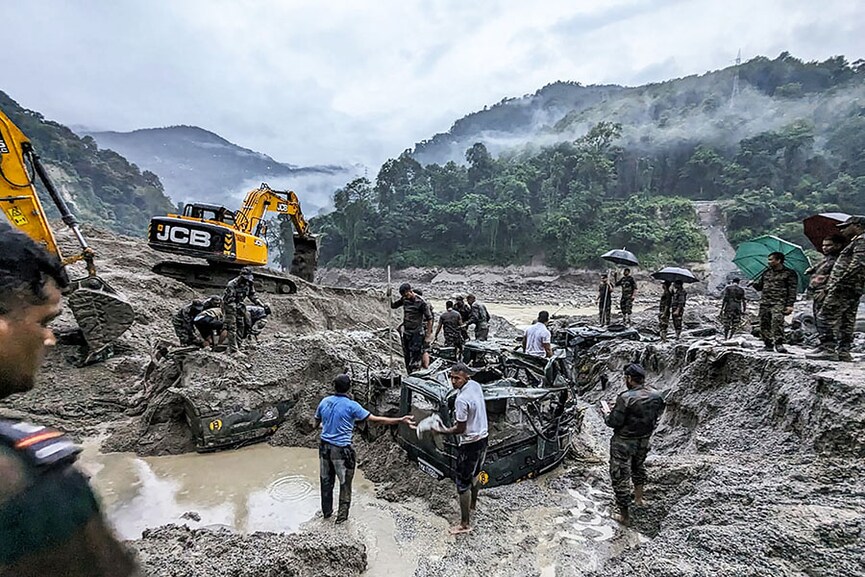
{"type": "Point", "coordinates": [259, 488]}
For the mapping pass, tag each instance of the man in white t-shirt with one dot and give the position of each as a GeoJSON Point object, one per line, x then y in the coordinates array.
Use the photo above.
{"type": "Point", "coordinates": [536, 340]}
{"type": "Point", "coordinates": [471, 428]}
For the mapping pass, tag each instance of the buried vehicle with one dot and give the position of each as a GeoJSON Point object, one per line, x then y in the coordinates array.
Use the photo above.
{"type": "Point", "coordinates": [530, 428]}
{"type": "Point", "coordinates": [215, 428]}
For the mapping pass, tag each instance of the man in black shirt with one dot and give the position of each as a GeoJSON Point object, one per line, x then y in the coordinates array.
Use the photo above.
{"type": "Point", "coordinates": [633, 419]}
{"type": "Point", "coordinates": [416, 326]}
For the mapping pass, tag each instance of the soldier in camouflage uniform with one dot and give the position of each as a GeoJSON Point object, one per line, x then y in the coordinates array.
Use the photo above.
{"type": "Point", "coordinates": [844, 288]}
{"type": "Point", "coordinates": [479, 317]}
{"type": "Point", "coordinates": [778, 293]}
{"type": "Point", "coordinates": [50, 520]}
{"type": "Point", "coordinates": [417, 326]}
{"type": "Point", "coordinates": [236, 292]}
{"type": "Point", "coordinates": [465, 312]}
{"type": "Point", "coordinates": [451, 322]}
{"type": "Point", "coordinates": [629, 292]}
{"type": "Point", "coordinates": [664, 309]}
{"type": "Point", "coordinates": [184, 323]}
{"type": "Point", "coordinates": [677, 306]}
{"type": "Point", "coordinates": [732, 308]}
{"type": "Point", "coordinates": [605, 301]}
{"type": "Point", "coordinates": [633, 419]}
{"type": "Point", "coordinates": [820, 273]}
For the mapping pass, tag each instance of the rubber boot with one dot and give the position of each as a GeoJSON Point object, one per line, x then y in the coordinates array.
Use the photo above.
{"type": "Point", "coordinates": [638, 495]}
{"type": "Point", "coordinates": [845, 356]}
{"type": "Point", "coordinates": [664, 337]}
{"type": "Point", "coordinates": [678, 335]}
{"type": "Point", "coordinates": [780, 348]}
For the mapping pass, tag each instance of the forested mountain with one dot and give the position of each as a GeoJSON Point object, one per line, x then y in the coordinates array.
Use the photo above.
{"type": "Point", "coordinates": [195, 164]}
{"type": "Point", "coordinates": [101, 187]}
{"type": "Point", "coordinates": [617, 169]}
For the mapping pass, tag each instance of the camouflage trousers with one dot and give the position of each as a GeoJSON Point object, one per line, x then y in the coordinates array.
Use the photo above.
{"type": "Point", "coordinates": [626, 305]}
{"type": "Point", "coordinates": [677, 320]}
{"type": "Point", "coordinates": [627, 463]}
{"type": "Point", "coordinates": [664, 319]}
{"type": "Point", "coordinates": [233, 315]}
{"type": "Point", "coordinates": [482, 331]}
{"type": "Point", "coordinates": [604, 310]}
{"type": "Point", "coordinates": [772, 323]}
{"type": "Point", "coordinates": [731, 319]}
{"type": "Point", "coordinates": [456, 341]}
{"type": "Point", "coordinates": [836, 319]}
{"type": "Point", "coordinates": [184, 330]}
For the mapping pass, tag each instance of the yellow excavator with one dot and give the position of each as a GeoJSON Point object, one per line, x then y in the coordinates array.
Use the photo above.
{"type": "Point", "coordinates": [230, 241]}
{"type": "Point", "coordinates": [101, 312]}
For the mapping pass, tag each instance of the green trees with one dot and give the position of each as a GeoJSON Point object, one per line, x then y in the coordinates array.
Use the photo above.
{"type": "Point", "coordinates": [557, 201]}
{"type": "Point", "coordinates": [625, 186]}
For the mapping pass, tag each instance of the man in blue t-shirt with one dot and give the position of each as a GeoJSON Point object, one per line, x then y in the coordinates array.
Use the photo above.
{"type": "Point", "coordinates": [337, 415]}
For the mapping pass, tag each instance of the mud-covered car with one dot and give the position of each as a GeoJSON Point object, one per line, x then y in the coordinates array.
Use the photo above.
{"type": "Point", "coordinates": [586, 337]}
{"type": "Point", "coordinates": [530, 428]}
{"type": "Point", "coordinates": [491, 360]}
{"type": "Point", "coordinates": [215, 428]}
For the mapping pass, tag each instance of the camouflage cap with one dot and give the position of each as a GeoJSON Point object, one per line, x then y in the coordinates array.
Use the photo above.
{"type": "Point", "coordinates": [857, 220]}
{"type": "Point", "coordinates": [246, 272]}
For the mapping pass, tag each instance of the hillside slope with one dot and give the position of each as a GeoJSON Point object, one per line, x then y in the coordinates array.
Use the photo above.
{"type": "Point", "coordinates": [698, 108]}
{"type": "Point", "coordinates": [196, 164]}
{"type": "Point", "coordinates": [101, 186]}
{"type": "Point", "coordinates": [565, 174]}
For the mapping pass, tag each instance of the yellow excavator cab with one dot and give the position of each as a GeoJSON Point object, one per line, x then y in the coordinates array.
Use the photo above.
{"type": "Point", "coordinates": [101, 312]}
{"type": "Point", "coordinates": [230, 240]}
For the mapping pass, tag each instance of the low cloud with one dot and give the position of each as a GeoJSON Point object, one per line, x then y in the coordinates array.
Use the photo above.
{"type": "Point", "coordinates": [359, 82]}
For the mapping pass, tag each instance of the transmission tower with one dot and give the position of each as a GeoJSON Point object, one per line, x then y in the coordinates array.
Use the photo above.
{"type": "Point", "coordinates": [736, 78]}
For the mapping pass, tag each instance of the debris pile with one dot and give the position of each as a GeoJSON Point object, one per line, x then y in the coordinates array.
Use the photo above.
{"type": "Point", "coordinates": [178, 551]}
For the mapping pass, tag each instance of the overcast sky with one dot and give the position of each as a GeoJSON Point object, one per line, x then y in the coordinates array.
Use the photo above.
{"type": "Point", "coordinates": [359, 81]}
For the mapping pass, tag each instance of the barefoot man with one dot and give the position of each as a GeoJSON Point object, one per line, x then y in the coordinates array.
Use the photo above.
{"type": "Point", "coordinates": [471, 427]}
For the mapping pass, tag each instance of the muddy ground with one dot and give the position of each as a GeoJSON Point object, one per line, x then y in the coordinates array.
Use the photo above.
{"type": "Point", "coordinates": [756, 468]}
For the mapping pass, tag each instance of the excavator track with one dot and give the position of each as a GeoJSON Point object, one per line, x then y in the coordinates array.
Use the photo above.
{"type": "Point", "coordinates": [216, 276]}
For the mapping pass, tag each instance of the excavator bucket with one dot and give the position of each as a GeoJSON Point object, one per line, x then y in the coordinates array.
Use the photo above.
{"type": "Point", "coordinates": [305, 259]}
{"type": "Point", "coordinates": [102, 315]}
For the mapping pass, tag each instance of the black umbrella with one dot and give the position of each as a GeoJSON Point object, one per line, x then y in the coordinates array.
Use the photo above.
{"type": "Point", "coordinates": [672, 274]}
{"type": "Point", "coordinates": [622, 257]}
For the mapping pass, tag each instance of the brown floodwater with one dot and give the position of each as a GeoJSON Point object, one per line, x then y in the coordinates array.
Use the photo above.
{"type": "Point", "coordinates": [258, 488]}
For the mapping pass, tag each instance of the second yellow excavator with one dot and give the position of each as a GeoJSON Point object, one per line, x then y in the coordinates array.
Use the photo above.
{"type": "Point", "coordinates": [231, 240]}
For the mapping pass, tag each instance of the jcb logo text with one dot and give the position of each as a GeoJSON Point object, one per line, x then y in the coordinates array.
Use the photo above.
{"type": "Point", "coordinates": [183, 235]}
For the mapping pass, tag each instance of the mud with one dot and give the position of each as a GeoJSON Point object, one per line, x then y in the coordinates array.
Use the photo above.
{"type": "Point", "coordinates": [511, 285]}
{"type": "Point", "coordinates": [755, 470]}
{"type": "Point", "coordinates": [177, 551]}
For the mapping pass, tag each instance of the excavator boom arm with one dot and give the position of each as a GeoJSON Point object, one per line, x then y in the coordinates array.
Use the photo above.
{"type": "Point", "coordinates": [18, 194]}
{"type": "Point", "coordinates": [263, 200]}
{"type": "Point", "coordinates": [102, 314]}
